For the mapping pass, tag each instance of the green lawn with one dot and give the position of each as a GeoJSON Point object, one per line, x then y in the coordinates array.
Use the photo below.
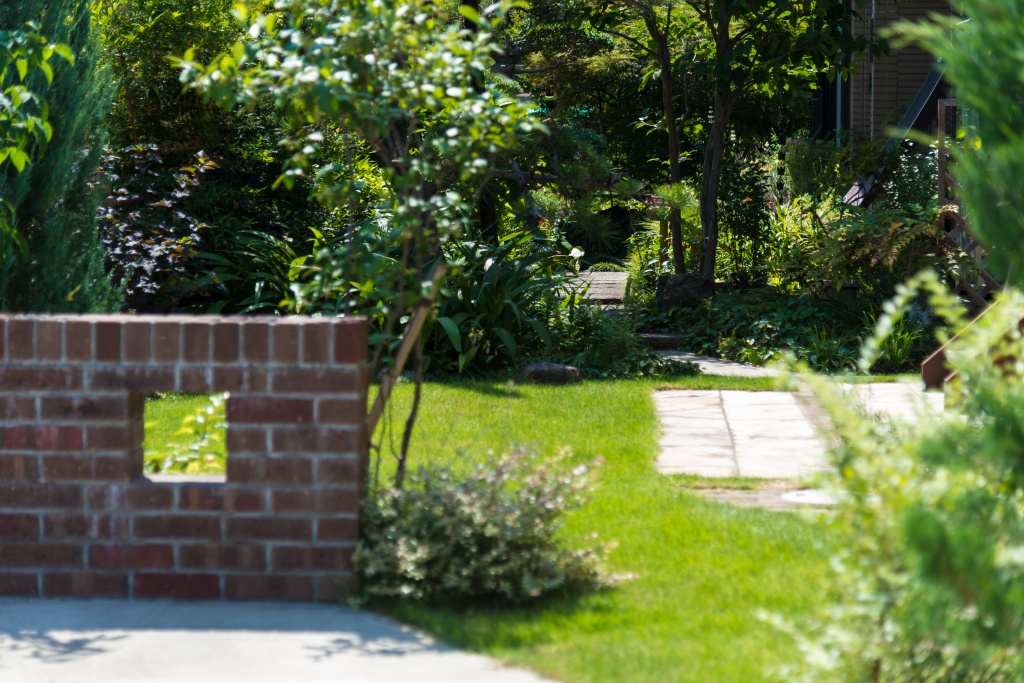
{"type": "Point", "coordinates": [704, 569]}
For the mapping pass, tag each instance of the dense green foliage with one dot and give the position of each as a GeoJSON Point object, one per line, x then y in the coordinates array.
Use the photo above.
{"type": "Point", "coordinates": [53, 199]}
{"type": "Point", "coordinates": [930, 580]}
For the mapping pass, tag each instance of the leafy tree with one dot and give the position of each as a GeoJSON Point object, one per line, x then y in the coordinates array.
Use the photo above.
{"type": "Point", "coordinates": [412, 89]}
{"type": "Point", "coordinates": [767, 46]}
{"type": "Point", "coordinates": [53, 199]}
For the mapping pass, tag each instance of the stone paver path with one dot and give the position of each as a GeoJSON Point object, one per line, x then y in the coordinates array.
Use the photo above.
{"type": "Point", "coordinates": [605, 288]}
{"type": "Point", "coordinates": [767, 434]}
{"type": "Point", "coordinates": [719, 366]}
{"type": "Point", "coordinates": [105, 641]}
{"type": "Point", "coordinates": [737, 433]}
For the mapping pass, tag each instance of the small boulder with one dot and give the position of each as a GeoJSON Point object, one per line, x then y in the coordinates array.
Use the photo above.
{"type": "Point", "coordinates": [543, 372]}
{"type": "Point", "coordinates": [682, 291]}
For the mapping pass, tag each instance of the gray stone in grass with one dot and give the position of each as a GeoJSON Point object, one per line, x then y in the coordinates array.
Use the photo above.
{"type": "Point", "coordinates": [544, 372]}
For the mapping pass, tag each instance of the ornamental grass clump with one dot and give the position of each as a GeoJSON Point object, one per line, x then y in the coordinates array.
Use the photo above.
{"type": "Point", "coordinates": [490, 535]}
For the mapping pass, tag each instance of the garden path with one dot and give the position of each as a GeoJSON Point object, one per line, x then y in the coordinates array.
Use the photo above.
{"type": "Point", "coordinates": [605, 288]}
{"type": "Point", "coordinates": [88, 641]}
{"type": "Point", "coordinates": [767, 434]}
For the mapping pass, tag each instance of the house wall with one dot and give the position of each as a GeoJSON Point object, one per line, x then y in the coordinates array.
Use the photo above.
{"type": "Point", "coordinates": [882, 87]}
{"type": "Point", "coordinates": [77, 516]}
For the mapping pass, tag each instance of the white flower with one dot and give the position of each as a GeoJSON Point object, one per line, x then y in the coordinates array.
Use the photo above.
{"type": "Point", "coordinates": [576, 253]}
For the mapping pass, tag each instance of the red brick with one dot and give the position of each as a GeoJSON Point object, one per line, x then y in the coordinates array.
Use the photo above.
{"type": "Point", "coordinates": [19, 527]}
{"type": "Point", "coordinates": [18, 468]}
{"type": "Point", "coordinates": [316, 342]}
{"type": "Point", "coordinates": [351, 341]}
{"type": "Point", "coordinates": [40, 496]}
{"type": "Point", "coordinates": [203, 527]}
{"type": "Point", "coordinates": [181, 586]}
{"type": "Point", "coordinates": [137, 336]}
{"type": "Point", "coordinates": [19, 438]}
{"type": "Point", "coordinates": [246, 440]}
{"type": "Point", "coordinates": [337, 471]}
{"type": "Point", "coordinates": [285, 334]}
{"type": "Point", "coordinates": [19, 586]}
{"type": "Point", "coordinates": [265, 410]}
{"type": "Point", "coordinates": [246, 380]}
{"type": "Point", "coordinates": [305, 558]}
{"type": "Point", "coordinates": [42, 555]}
{"type": "Point", "coordinates": [131, 497]}
{"type": "Point", "coordinates": [78, 340]}
{"type": "Point", "coordinates": [340, 411]}
{"type": "Point", "coordinates": [201, 497]}
{"type": "Point", "coordinates": [49, 340]}
{"type": "Point", "coordinates": [84, 407]}
{"type": "Point", "coordinates": [312, 440]}
{"type": "Point", "coordinates": [110, 438]}
{"type": "Point", "coordinates": [152, 556]}
{"type": "Point", "coordinates": [220, 498]}
{"type": "Point", "coordinates": [270, 470]}
{"type": "Point", "coordinates": [131, 378]}
{"type": "Point", "coordinates": [332, 588]}
{"type": "Point", "coordinates": [85, 585]}
{"type": "Point", "coordinates": [196, 342]}
{"type": "Point", "coordinates": [60, 468]}
{"type": "Point", "coordinates": [257, 587]}
{"type": "Point", "coordinates": [337, 529]}
{"type": "Point", "coordinates": [315, 500]}
{"type": "Point", "coordinates": [58, 438]}
{"type": "Point", "coordinates": [166, 341]}
{"type": "Point", "coordinates": [269, 529]}
{"type": "Point", "coordinates": [318, 381]}
{"type": "Point", "coordinates": [225, 341]}
{"type": "Point", "coordinates": [20, 377]}
{"type": "Point", "coordinates": [195, 381]}
{"type": "Point", "coordinates": [219, 557]}
{"type": "Point", "coordinates": [108, 340]}
{"type": "Point", "coordinates": [256, 341]}
{"type": "Point", "coordinates": [77, 526]}
{"type": "Point", "coordinates": [21, 333]}
{"type": "Point", "coordinates": [17, 408]}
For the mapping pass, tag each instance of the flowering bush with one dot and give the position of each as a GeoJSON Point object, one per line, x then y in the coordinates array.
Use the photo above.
{"type": "Point", "coordinates": [492, 534]}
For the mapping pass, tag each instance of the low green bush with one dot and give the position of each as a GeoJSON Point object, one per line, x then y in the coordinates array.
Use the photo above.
{"type": "Point", "coordinates": [492, 534]}
{"type": "Point", "coordinates": [929, 581]}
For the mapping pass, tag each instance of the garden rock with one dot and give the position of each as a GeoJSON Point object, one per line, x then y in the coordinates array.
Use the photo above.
{"type": "Point", "coordinates": [544, 372]}
{"type": "Point", "coordinates": [682, 291]}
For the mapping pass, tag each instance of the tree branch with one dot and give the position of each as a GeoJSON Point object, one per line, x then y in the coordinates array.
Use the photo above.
{"type": "Point", "coordinates": [630, 39]}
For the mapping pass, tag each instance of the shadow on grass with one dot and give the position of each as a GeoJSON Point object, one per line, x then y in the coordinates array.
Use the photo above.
{"type": "Point", "coordinates": [485, 625]}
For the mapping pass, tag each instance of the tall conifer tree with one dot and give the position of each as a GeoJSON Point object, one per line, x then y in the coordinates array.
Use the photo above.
{"type": "Point", "coordinates": [53, 199]}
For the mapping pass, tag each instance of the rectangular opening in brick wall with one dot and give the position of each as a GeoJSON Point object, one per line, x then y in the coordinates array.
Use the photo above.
{"type": "Point", "coordinates": [80, 517]}
{"type": "Point", "coordinates": [185, 434]}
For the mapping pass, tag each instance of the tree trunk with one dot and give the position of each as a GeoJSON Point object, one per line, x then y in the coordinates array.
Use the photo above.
{"type": "Point", "coordinates": [488, 208]}
{"type": "Point", "coordinates": [709, 183]}
{"type": "Point", "coordinates": [672, 127]}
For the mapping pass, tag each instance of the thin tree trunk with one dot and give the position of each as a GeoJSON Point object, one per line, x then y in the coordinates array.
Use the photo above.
{"type": "Point", "coordinates": [713, 156]}
{"type": "Point", "coordinates": [672, 128]}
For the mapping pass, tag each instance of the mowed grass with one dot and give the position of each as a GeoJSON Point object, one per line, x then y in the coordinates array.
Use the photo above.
{"type": "Point", "coordinates": [703, 571]}
{"type": "Point", "coordinates": [163, 419]}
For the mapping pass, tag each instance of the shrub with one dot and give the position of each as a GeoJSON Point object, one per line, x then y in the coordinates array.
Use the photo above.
{"type": "Point", "coordinates": [149, 239]}
{"type": "Point", "coordinates": [930, 572]}
{"type": "Point", "coordinates": [492, 534]}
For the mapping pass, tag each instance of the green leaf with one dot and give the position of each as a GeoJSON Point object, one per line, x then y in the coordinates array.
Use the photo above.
{"type": "Point", "coordinates": [453, 333]}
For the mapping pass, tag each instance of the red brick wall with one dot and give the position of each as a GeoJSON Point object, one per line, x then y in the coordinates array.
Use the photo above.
{"type": "Point", "coordinates": [77, 517]}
